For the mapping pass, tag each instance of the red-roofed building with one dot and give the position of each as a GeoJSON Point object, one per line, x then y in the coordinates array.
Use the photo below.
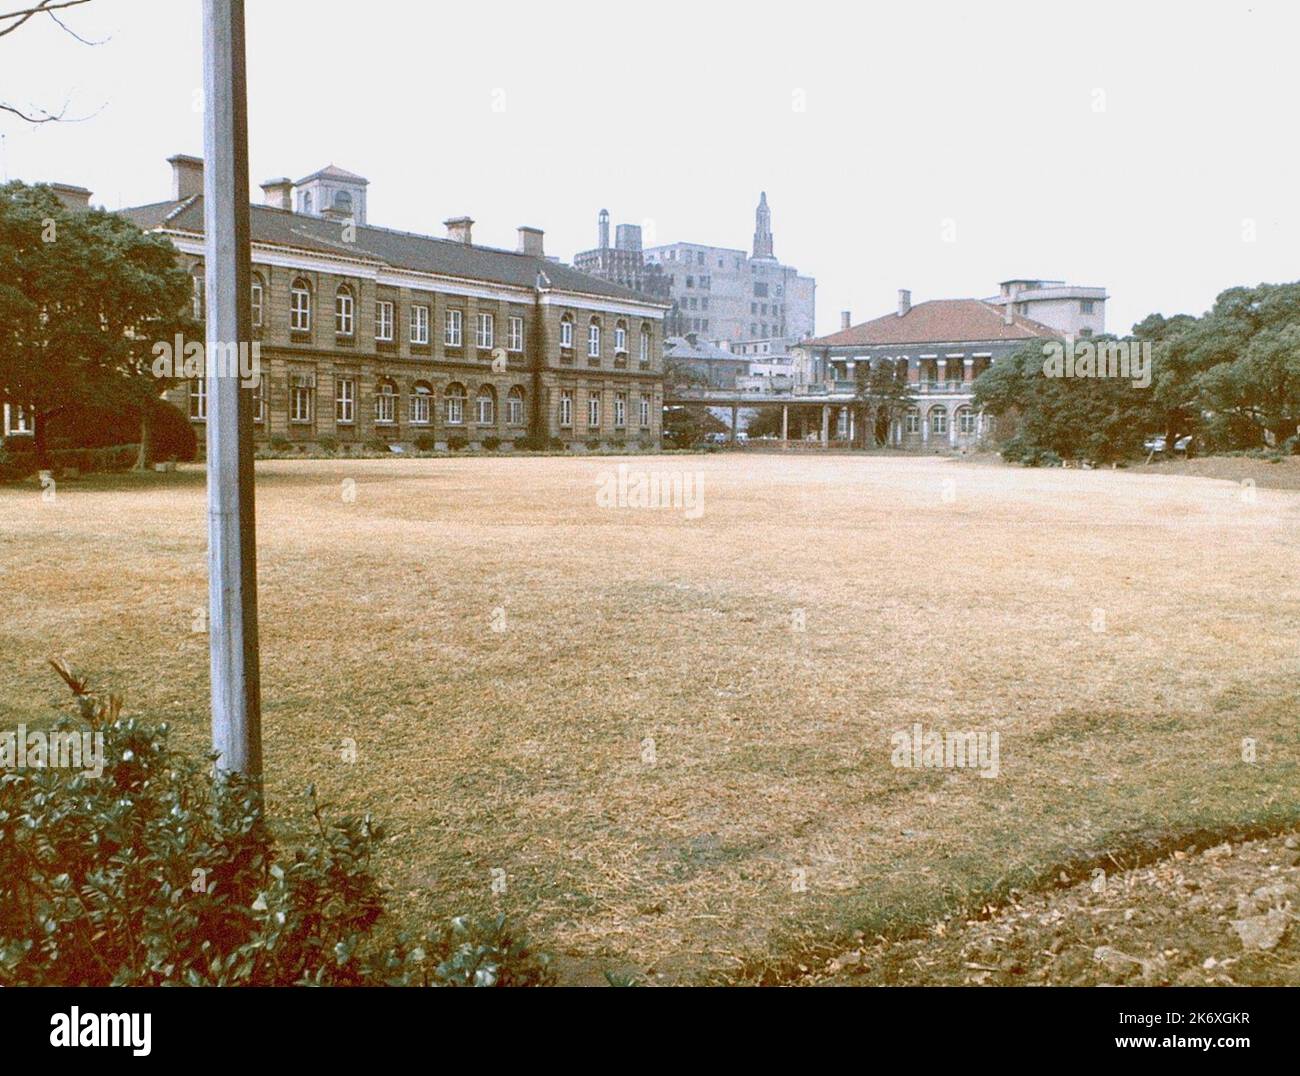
{"type": "Point", "coordinates": [946, 344]}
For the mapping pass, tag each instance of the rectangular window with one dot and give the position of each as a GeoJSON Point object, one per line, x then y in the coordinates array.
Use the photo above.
{"type": "Point", "coordinates": [455, 410]}
{"type": "Point", "coordinates": [1085, 306]}
{"type": "Point", "coordinates": [483, 325]}
{"type": "Point", "coordinates": [566, 333]}
{"type": "Point", "coordinates": [620, 340]}
{"type": "Point", "coordinates": [385, 406]}
{"type": "Point", "coordinates": [451, 328]}
{"type": "Point", "coordinates": [419, 409]}
{"type": "Point", "coordinates": [645, 412]}
{"type": "Point", "coordinates": [259, 403]}
{"type": "Point", "coordinates": [515, 334]}
{"type": "Point", "coordinates": [199, 398]}
{"type": "Point", "coordinates": [514, 411]}
{"type": "Point", "coordinates": [343, 313]}
{"type": "Point", "coordinates": [485, 416]}
{"type": "Point", "coordinates": [257, 305]}
{"type": "Point", "coordinates": [300, 310]}
{"type": "Point", "coordinates": [593, 340]}
{"type": "Point", "coordinates": [419, 324]}
{"type": "Point", "coordinates": [593, 410]}
{"type": "Point", "coordinates": [384, 321]}
{"type": "Point", "coordinates": [620, 410]}
{"type": "Point", "coordinates": [566, 408]}
{"type": "Point", "coordinates": [345, 401]}
{"type": "Point", "coordinates": [300, 404]}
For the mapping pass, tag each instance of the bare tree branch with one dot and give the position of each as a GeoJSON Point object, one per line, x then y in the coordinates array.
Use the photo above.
{"type": "Point", "coordinates": [17, 18]}
{"type": "Point", "coordinates": [11, 21]}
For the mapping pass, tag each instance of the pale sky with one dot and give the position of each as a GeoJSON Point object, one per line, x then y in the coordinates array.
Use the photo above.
{"type": "Point", "coordinates": [1137, 146]}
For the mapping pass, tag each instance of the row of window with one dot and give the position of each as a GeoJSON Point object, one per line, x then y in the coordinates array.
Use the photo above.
{"type": "Point", "coordinates": [302, 403]}
{"type": "Point", "coordinates": [967, 420]}
{"type": "Point", "coordinates": [300, 316]}
{"type": "Point", "coordinates": [593, 410]}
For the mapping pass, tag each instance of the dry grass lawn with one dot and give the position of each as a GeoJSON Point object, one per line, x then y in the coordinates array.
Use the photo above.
{"type": "Point", "coordinates": [955, 595]}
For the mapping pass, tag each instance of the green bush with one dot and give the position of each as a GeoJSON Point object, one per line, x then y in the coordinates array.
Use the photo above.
{"type": "Point", "coordinates": [92, 426]}
{"type": "Point", "coordinates": [280, 444]}
{"type": "Point", "coordinates": [426, 442]}
{"type": "Point", "coordinates": [456, 444]}
{"type": "Point", "coordinates": [491, 443]}
{"type": "Point", "coordinates": [329, 445]}
{"type": "Point", "coordinates": [155, 872]}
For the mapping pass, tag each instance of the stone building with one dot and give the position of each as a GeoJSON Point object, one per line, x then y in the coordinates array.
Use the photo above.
{"type": "Point", "coordinates": [1070, 309]}
{"type": "Point", "coordinates": [624, 262]}
{"type": "Point", "coordinates": [369, 334]}
{"type": "Point", "coordinates": [945, 344]}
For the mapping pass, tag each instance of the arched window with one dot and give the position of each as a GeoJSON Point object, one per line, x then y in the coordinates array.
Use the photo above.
{"type": "Point", "coordinates": [938, 420]}
{"type": "Point", "coordinates": [300, 306]}
{"type": "Point", "coordinates": [593, 338]}
{"type": "Point", "coordinates": [566, 331]}
{"type": "Point", "coordinates": [620, 337]}
{"type": "Point", "coordinates": [455, 400]}
{"type": "Point", "coordinates": [965, 420]}
{"type": "Point", "coordinates": [515, 406]}
{"type": "Point", "coordinates": [344, 311]}
{"type": "Point", "coordinates": [485, 406]}
{"type": "Point", "coordinates": [306, 202]}
{"type": "Point", "coordinates": [912, 421]}
{"type": "Point", "coordinates": [421, 394]}
{"type": "Point", "coordinates": [385, 403]}
{"type": "Point", "coordinates": [343, 201]}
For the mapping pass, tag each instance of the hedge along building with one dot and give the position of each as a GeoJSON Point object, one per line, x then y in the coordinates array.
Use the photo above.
{"type": "Point", "coordinates": [371, 334]}
{"type": "Point", "coordinates": [945, 343]}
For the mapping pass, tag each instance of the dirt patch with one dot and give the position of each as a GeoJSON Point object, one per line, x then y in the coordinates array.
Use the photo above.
{"type": "Point", "coordinates": [1225, 916]}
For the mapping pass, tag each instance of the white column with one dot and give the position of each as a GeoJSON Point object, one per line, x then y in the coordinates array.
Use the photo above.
{"type": "Point", "coordinates": [952, 427]}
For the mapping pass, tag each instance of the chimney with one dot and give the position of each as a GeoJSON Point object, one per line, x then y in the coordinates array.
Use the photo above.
{"type": "Point", "coordinates": [278, 193]}
{"type": "Point", "coordinates": [530, 241]}
{"type": "Point", "coordinates": [603, 221]}
{"type": "Point", "coordinates": [458, 229]}
{"type": "Point", "coordinates": [71, 197]}
{"type": "Point", "coordinates": [904, 301]}
{"type": "Point", "coordinates": [846, 319]}
{"type": "Point", "coordinates": [187, 176]}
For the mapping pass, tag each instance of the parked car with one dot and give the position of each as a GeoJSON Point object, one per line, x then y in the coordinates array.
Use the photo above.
{"type": "Point", "coordinates": [1157, 444]}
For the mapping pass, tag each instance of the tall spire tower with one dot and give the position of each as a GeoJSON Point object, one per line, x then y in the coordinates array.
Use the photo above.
{"type": "Point", "coordinates": [763, 229]}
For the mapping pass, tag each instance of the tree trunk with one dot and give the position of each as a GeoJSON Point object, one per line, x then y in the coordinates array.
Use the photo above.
{"type": "Point", "coordinates": [38, 439]}
{"type": "Point", "coordinates": [143, 460]}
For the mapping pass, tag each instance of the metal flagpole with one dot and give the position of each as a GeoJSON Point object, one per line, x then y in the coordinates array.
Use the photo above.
{"type": "Point", "coordinates": [232, 557]}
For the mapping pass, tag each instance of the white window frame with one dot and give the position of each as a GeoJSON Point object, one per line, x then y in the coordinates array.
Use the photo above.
{"type": "Point", "coordinates": [345, 309]}
{"type": "Point", "coordinates": [515, 334]}
{"type": "Point", "coordinates": [645, 412]}
{"type": "Point", "coordinates": [419, 324]}
{"type": "Point", "coordinates": [593, 411]}
{"type": "Point", "coordinates": [198, 399]}
{"type": "Point", "coordinates": [484, 330]}
{"type": "Point", "coordinates": [255, 304]}
{"type": "Point", "coordinates": [301, 394]}
{"type": "Point", "coordinates": [452, 326]}
{"type": "Point", "coordinates": [566, 409]}
{"type": "Point", "coordinates": [593, 340]}
{"type": "Point", "coordinates": [620, 339]}
{"type": "Point", "coordinates": [385, 405]}
{"type": "Point", "coordinates": [912, 421]}
{"type": "Point", "coordinates": [938, 420]}
{"type": "Point", "coordinates": [455, 410]}
{"type": "Point", "coordinates": [514, 409]}
{"type": "Point", "coordinates": [620, 410]}
{"type": "Point", "coordinates": [485, 412]}
{"type": "Point", "coordinates": [566, 333]}
{"type": "Point", "coordinates": [384, 321]}
{"type": "Point", "coordinates": [345, 401]}
{"type": "Point", "coordinates": [299, 309]}
{"type": "Point", "coordinates": [420, 406]}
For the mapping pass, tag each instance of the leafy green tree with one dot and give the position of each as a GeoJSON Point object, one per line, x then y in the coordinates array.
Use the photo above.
{"type": "Point", "coordinates": [84, 295]}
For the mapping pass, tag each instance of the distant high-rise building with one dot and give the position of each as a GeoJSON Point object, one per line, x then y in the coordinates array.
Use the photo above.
{"type": "Point", "coordinates": [727, 295]}
{"type": "Point", "coordinates": [623, 263]}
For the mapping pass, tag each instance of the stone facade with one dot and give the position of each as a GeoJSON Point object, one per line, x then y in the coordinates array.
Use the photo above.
{"type": "Point", "coordinates": [397, 349]}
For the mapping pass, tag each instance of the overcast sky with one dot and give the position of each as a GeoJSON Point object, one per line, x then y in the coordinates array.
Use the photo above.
{"type": "Point", "coordinates": [1138, 146]}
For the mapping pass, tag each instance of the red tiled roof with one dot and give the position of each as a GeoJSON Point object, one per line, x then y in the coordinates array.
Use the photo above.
{"type": "Point", "coordinates": [939, 321]}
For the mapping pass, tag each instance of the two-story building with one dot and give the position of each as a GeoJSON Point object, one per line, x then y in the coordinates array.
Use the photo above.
{"type": "Point", "coordinates": [368, 334]}
{"type": "Point", "coordinates": [944, 343]}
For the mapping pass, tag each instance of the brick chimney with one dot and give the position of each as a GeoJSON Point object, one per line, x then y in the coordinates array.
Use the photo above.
{"type": "Point", "coordinates": [187, 176]}
{"type": "Point", "coordinates": [846, 319]}
{"type": "Point", "coordinates": [530, 241]}
{"type": "Point", "coordinates": [278, 193]}
{"type": "Point", "coordinates": [71, 197]}
{"type": "Point", "coordinates": [904, 301]}
{"type": "Point", "coordinates": [458, 229]}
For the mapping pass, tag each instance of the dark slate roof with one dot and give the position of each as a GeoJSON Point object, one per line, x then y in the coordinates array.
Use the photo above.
{"type": "Point", "coordinates": [939, 321]}
{"type": "Point", "coordinates": [679, 347]}
{"type": "Point", "coordinates": [383, 246]}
